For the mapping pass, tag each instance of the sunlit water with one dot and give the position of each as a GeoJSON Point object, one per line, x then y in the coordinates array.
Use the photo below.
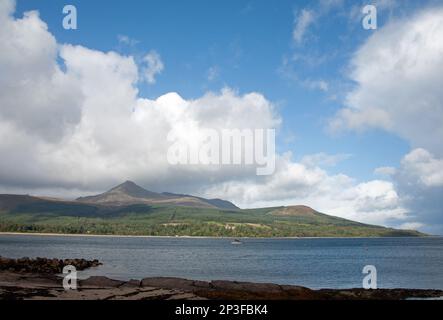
{"type": "Point", "coordinates": [315, 263]}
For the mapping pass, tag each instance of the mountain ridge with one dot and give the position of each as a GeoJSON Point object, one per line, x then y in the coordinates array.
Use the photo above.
{"type": "Point", "coordinates": [130, 193]}
{"type": "Point", "coordinates": [129, 209]}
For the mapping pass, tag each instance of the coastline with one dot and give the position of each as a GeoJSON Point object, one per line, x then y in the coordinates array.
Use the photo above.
{"type": "Point", "coordinates": [39, 234]}
{"type": "Point", "coordinates": [37, 286]}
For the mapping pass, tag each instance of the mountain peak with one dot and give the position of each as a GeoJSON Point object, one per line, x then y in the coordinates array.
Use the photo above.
{"type": "Point", "coordinates": [132, 189]}
{"type": "Point", "coordinates": [127, 184]}
{"type": "Point", "coordinates": [129, 193]}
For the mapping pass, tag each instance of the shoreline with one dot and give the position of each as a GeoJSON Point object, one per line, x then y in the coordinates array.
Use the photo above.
{"type": "Point", "coordinates": [37, 286]}
{"type": "Point", "coordinates": [40, 234]}
{"type": "Point", "coordinates": [42, 279]}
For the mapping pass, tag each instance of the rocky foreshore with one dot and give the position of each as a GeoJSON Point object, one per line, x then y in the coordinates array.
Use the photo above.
{"type": "Point", "coordinates": [44, 265]}
{"type": "Point", "coordinates": [34, 286]}
{"type": "Point", "coordinates": [27, 278]}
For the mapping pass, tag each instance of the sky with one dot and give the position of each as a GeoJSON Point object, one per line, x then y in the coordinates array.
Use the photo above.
{"type": "Point", "coordinates": [358, 113]}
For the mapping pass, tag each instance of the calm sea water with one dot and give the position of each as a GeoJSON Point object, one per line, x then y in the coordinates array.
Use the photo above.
{"type": "Point", "coordinates": [315, 263]}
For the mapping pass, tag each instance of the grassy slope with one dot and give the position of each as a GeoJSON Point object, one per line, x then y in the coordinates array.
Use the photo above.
{"type": "Point", "coordinates": [182, 221]}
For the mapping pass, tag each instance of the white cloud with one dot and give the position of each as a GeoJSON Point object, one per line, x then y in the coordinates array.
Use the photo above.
{"type": "Point", "coordinates": [154, 66]}
{"type": "Point", "coordinates": [411, 225]}
{"type": "Point", "coordinates": [385, 171]}
{"type": "Point", "coordinates": [126, 40]}
{"type": "Point", "coordinates": [423, 168]}
{"type": "Point", "coordinates": [294, 183]}
{"type": "Point", "coordinates": [323, 159]}
{"type": "Point", "coordinates": [419, 184]}
{"type": "Point", "coordinates": [398, 74]}
{"type": "Point", "coordinates": [419, 181]}
{"type": "Point", "coordinates": [307, 16]}
{"type": "Point", "coordinates": [302, 22]}
{"type": "Point", "coordinates": [51, 104]}
{"type": "Point", "coordinates": [85, 128]}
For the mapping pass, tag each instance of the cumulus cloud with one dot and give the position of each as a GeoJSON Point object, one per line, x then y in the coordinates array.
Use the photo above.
{"type": "Point", "coordinates": [84, 127]}
{"type": "Point", "coordinates": [154, 66]}
{"type": "Point", "coordinates": [398, 74]}
{"type": "Point", "coordinates": [52, 103]}
{"type": "Point", "coordinates": [423, 168]}
{"type": "Point", "coordinates": [419, 182]}
{"type": "Point", "coordinates": [295, 183]}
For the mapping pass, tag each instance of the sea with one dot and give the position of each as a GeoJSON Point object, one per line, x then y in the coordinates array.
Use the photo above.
{"type": "Point", "coordinates": [311, 262]}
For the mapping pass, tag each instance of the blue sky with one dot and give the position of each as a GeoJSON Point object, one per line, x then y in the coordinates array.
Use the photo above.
{"type": "Point", "coordinates": [246, 43]}
{"type": "Point", "coordinates": [356, 101]}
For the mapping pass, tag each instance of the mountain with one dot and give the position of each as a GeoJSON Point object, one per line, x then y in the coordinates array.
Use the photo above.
{"type": "Point", "coordinates": [296, 211]}
{"type": "Point", "coordinates": [10, 202]}
{"type": "Point", "coordinates": [125, 193]}
{"type": "Point", "coordinates": [218, 203]}
{"type": "Point", "coordinates": [129, 193]}
{"type": "Point", "coordinates": [129, 209]}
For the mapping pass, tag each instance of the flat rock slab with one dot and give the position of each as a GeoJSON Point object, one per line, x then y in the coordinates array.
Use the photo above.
{"type": "Point", "coordinates": [175, 283]}
{"type": "Point", "coordinates": [49, 287]}
{"type": "Point", "coordinates": [11, 279]}
{"type": "Point", "coordinates": [101, 282]}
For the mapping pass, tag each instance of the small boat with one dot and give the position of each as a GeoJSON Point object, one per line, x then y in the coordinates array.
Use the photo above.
{"type": "Point", "coordinates": [236, 242]}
